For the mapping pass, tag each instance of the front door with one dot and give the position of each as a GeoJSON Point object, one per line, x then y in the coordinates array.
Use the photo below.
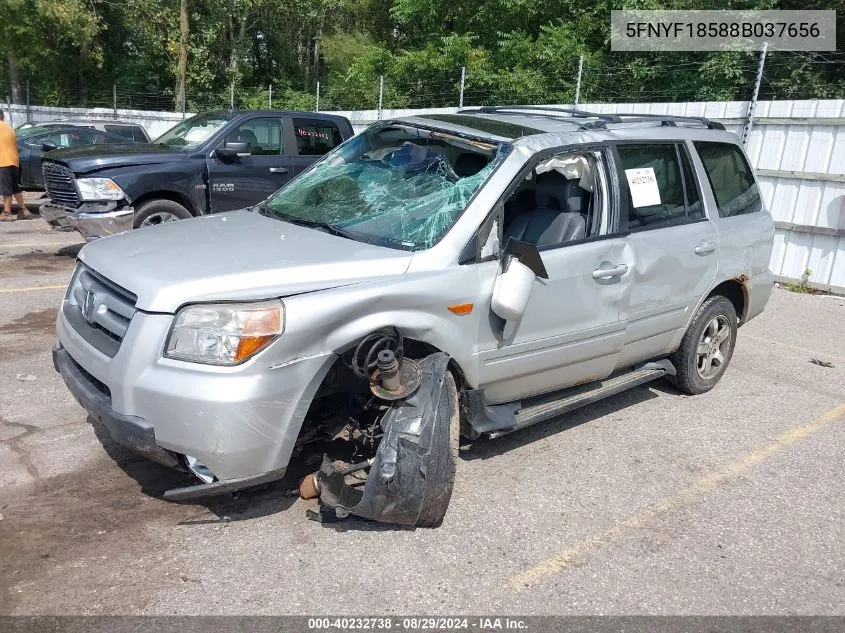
{"type": "Point", "coordinates": [245, 180]}
{"type": "Point", "coordinates": [676, 245]}
{"type": "Point", "coordinates": [573, 327]}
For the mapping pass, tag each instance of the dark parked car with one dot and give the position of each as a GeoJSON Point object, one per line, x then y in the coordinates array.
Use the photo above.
{"type": "Point", "coordinates": [212, 162]}
{"type": "Point", "coordinates": [127, 129]}
{"type": "Point", "coordinates": [35, 141]}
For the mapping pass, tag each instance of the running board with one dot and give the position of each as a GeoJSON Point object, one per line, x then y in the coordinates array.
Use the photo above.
{"type": "Point", "coordinates": [556, 404]}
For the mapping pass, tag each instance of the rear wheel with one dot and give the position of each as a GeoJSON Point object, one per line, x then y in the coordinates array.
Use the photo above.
{"type": "Point", "coordinates": [707, 347]}
{"type": "Point", "coordinates": [154, 212]}
{"type": "Point", "coordinates": [440, 475]}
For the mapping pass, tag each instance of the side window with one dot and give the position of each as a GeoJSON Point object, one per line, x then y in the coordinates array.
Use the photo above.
{"type": "Point", "coordinates": [138, 135]}
{"type": "Point", "coordinates": [730, 178]}
{"type": "Point", "coordinates": [263, 135]}
{"type": "Point", "coordinates": [659, 184]}
{"type": "Point", "coordinates": [560, 200]}
{"type": "Point", "coordinates": [73, 138]}
{"type": "Point", "coordinates": [315, 137]}
{"type": "Point", "coordinates": [125, 131]}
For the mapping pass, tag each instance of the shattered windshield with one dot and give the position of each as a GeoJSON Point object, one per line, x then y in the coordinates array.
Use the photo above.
{"type": "Point", "coordinates": [394, 185]}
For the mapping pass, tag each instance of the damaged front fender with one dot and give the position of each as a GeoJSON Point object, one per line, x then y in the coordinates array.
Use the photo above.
{"type": "Point", "coordinates": [410, 481]}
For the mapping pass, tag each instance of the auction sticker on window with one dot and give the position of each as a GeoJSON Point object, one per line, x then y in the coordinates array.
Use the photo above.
{"type": "Point", "coordinates": [643, 186]}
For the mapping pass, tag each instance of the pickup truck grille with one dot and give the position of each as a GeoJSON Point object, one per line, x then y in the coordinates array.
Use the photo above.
{"type": "Point", "coordinates": [98, 310]}
{"type": "Point", "coordinates": [58, 180]}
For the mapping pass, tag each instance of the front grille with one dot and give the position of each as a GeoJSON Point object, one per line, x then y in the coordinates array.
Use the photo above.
{"type": "Point", "coordinates": [58, 180]}
{"type": "Point", "coordinates": [99, 310]}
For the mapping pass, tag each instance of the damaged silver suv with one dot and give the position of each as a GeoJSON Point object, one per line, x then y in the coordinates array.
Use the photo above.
{"type": "Point", "coordinates": [434, 276]}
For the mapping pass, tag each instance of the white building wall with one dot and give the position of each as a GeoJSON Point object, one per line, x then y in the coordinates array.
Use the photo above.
{"type": "Point", "coordinates": [797, 148]}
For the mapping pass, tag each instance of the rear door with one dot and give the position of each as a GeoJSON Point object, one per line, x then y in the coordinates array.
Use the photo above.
{"type": "Point", "coordinates": [245, 180]}
{"type": "Point", "coordinates": [314, 137]}
{"type": "Point", "coordinates": [675, 243]}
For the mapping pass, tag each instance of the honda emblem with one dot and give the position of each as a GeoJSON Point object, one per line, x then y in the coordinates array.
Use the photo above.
{"type": "Point", "coordinates": [88, 306]}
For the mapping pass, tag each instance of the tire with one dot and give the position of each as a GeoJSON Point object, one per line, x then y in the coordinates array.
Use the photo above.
{"type": "Point", "coordinates": [440, 476]}
{"type": "Point", "coordinates": [154, 212]}
{"type": "Point", "coordinates": [704, 354]}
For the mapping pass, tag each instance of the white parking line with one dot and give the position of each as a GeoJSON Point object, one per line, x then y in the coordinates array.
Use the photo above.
{"type": "Point", "coordinates": [690, 495]}
{"type": "Point", "coordinates": [32, 289]}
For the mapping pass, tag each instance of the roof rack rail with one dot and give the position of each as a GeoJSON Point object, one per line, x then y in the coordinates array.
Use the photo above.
{"type": "Point", "coordinates": [671, 119]}
{"type": "Point", "coordinates": [572, 112]}
{"type": "Point", "coordinates": [603, 119]}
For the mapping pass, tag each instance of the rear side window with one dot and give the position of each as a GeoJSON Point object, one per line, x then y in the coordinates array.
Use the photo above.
{"type": "Point", "coordinates": [659, 184]}
{"type": "Point", "coordinates": [315, 137]}
{"type": "Point", "coordinates": [730, 178]}
{"type": "Point", "coordinates": [125, 131]}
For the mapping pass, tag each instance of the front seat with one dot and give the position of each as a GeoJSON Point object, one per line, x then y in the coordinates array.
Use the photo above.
{"type": "Point", "coordinates": [556, 218]}
{"type": "Point", "coordinates": [245, 136]}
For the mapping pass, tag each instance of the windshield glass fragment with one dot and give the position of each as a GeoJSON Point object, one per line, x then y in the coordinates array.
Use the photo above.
{"type": "Point", "coordinates": [394, 185]}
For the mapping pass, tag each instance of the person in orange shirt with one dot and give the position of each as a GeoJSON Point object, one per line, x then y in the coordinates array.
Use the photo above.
{"type": "Point", "coordinates": [10, 178]}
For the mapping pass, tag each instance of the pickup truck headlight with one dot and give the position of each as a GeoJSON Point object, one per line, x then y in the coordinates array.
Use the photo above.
{"type": "Point", "coordinates": [225, 333]}
{"type": "Point", "coordinates": [95, 189]}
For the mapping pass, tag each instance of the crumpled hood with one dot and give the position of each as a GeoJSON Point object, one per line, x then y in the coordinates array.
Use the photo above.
{"type": "Point", "coordinates": [234, 256]}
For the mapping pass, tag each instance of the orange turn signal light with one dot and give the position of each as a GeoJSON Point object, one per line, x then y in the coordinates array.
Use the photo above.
{"type": "Point", "coordinates": [261, 328]}
{"type": "Point", "coordinates": [460, 309]}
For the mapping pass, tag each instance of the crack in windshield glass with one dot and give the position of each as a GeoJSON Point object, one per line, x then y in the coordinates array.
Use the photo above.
{"type": "Point", "coordinates": [390, 188]}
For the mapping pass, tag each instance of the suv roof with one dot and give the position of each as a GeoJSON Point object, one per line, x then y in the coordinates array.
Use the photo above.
{"type": "Point", "coordinates": [515, 122]}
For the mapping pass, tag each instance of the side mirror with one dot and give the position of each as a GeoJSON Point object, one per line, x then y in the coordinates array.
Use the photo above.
{"type": "Point", "coordinates": [231, 151]}
{"type": "Point", "coordinates": [48, 146]}
{"type": "Point", "coordinates": [512, 290]}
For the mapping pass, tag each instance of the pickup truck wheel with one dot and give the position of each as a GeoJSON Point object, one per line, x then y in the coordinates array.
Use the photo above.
{"type": "Point", "coordinates": [155, 212]}
{"type": "Point", "coordinates": [440, 476]}
{"type": "Point", "coordinates": [707, 347]}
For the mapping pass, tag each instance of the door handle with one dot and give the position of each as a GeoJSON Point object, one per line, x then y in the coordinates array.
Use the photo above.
{"type": "Point", "coordinates": [278, 170]}
{"type": "Point", "coordinates": [607, 273]}
{"type": "Point", "coordinates": [705, 248]}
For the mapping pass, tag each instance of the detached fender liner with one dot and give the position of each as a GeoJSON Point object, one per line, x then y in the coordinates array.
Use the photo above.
{"type": "Point", "coordinates": [410, 481]}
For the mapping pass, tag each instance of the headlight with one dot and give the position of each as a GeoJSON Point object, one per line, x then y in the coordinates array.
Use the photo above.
{"type": "Point", "coordinates": [93, 189]}
{"type": "Point", "coordinates": [224, 334]}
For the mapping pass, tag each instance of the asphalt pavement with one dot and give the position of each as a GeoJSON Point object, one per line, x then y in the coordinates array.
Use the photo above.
{"type": "Point", "coordinates": [650, 502]}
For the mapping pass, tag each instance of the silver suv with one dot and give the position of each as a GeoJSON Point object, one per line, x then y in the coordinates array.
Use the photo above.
{"type": "Point", "coordinates": [433, 276]}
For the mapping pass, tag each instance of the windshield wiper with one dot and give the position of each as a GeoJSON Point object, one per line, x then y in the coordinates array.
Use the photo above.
{"type": "Point", "coordinates": [328, 227]}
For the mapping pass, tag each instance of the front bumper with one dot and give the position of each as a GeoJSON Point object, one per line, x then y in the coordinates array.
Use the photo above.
{"type": "Point", "coordinates": [91, 220]}
{"type": "Point", "coordinates": [128, 430]}
{"type": "Point", "coordinates": [240, 422]}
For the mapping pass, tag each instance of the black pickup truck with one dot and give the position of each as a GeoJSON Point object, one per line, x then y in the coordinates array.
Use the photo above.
{"type": "Point", "coordinates": [212, 162]}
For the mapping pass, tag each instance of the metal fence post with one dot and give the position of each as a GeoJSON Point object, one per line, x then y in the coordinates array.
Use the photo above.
{"type": "Point", "coordinates": [232, 96]}
{"type": "Point", "coordinates": [114, 99]}
{"type": "Point", "coordinates": [184, 101]}
{"type": "Point", "coordinates": [317, 103]}
{"type": "Point", "coordinates": [463, 82]}
{"type": "Point", "coordinates": [270, 97]}
{"type": "Point", "coordinates": [578, 81]}
{"type": "Point", "coordinates": [380, 94]}
{"type": "Point", "coordinates": [752, 105]}
{"type": "Point", "coordinates": [28, 112]}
